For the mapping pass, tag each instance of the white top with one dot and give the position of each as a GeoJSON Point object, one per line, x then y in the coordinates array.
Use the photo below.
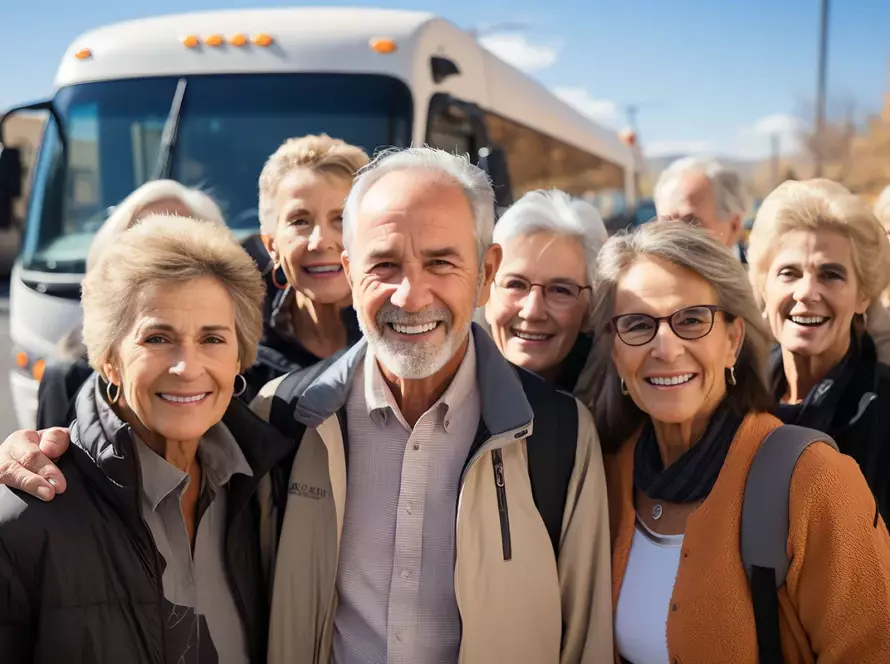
{"type": "Point", "coordinates": [645, 597]}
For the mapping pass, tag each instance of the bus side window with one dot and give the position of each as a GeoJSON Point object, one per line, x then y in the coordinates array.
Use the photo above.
{"type": "Point", "coordinates": [452, 134]}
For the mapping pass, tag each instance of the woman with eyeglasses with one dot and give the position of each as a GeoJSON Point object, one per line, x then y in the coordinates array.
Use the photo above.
{"type": "Point", "coordinates": [819, 262]}
{"type": "Point", "coordinates": [679, 398]}
{"type": "Point", "coordinates": [539, 307]}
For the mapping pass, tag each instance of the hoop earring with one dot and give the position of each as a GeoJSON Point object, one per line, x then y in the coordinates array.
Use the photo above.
{"type": "Point", "coordinates": [624, 388]}
{"type": "Point", "coordinates": [239, 391]}
{"type": "Point", "coordinates": [732, 380]}
{"type": "Point", "coordinates": [275, 282]}
{"type": "Point", "coordinates": [117, 395]}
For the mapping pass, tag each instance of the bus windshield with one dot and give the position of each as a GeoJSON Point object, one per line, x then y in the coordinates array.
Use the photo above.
{"type": "Point", "coordinates": [228, 127]}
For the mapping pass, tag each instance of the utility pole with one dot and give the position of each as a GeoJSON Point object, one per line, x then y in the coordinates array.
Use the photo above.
{"type": "Point", "coordinates": [821, 86]}
{"type": "Point", "coordinates": [776, 152]}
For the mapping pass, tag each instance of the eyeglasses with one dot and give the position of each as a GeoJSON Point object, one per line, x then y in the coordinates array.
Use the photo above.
{"type": "Point", "coordinates": [557, 295]}
{"type": "Point", "coordinates": [690, 324]}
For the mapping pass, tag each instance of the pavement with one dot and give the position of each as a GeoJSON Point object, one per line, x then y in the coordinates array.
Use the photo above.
{"type": "Point", "coordinates": [7, 415]}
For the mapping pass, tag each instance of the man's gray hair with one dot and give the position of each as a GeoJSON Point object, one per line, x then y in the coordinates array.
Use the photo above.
{"type": "Point", "coordinates": [558, 213]}
{"type": "Point", "coordinates": [730, 190]}
{"type": "Point", "coordinates": [472, 179]}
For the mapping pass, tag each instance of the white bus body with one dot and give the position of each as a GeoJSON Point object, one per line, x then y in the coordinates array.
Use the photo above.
{"type": "Point", "coordinates": [315, 70]}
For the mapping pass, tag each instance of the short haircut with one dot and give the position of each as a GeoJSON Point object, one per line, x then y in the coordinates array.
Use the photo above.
{"type": "Point", "coordinates": [166, 249]}
{"type": "Point", "coordinates": [473, 180]}
{"type": "Point", "coordinates": [730, 191]}
{"type": "Point", "coordinates": [126, 213]}
{"type": "Point", "coordinates": [557, 213]}
{"type": "Point", "coordinates": [813, 205]}
{"type": "Point", "coordinates": [319, 153]}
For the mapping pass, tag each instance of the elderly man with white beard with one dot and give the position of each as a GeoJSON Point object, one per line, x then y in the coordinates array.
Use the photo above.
{"type": "Point", "coordinates": [443, 505]}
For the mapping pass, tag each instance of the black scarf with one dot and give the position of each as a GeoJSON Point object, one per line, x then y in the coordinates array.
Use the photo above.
{"type": "Point", "coordinates": [574, 363]}
{"type": "Point", "coordinates": [821, 405]}
{"type": "Point", "coordinates": [691, 477]}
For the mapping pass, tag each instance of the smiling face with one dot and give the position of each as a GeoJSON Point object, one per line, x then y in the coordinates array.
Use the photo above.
{"type": "Point", "coordinates": [811, 293]}
{"type": "Point", "coordinates": [530, 330]}
{"type": "Point", "coordinates": [415, 272]}
{"type": "Point", "coordinates": [176, 365]}
{"type": "Point", "coordinates": [308, 238]}
{"type": "Point", "coordinates": [674, 380]}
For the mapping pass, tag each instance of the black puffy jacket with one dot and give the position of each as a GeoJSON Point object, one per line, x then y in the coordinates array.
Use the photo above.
{"type": "Point", "coordinates": [81, 578]}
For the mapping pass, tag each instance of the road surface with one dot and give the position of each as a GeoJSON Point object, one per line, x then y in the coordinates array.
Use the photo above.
{"type": "Point", "coordinates": [7, 416]}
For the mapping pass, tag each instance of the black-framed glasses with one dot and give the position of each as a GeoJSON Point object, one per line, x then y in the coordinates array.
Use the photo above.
{"type": "Point", "coordinates": [557, 294]}
{"type": "Point", "coordinates": [690, 323]}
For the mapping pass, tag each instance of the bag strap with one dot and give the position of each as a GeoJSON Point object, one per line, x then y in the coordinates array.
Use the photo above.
{"type": "Point", "coordinates": [764, 532]}
{"type": "Point", "coordinates": [551, 452]}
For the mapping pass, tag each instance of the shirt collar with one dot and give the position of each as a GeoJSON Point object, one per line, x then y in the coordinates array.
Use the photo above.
{"type": "Point", "coordinates": [380, 401]}
{"type": "Point", "coordinates": [220, 456]}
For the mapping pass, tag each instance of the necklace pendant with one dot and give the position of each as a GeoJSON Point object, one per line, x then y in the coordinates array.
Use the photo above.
{"type": "Point", "coordinates": [657, 511]}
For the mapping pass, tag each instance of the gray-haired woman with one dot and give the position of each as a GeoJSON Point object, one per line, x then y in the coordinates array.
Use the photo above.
{"type": "Point", "coordinates": [152, 553]}
{"type": "Point", "coordinates": [679, 395]}
{"type": "Point", "coordinates": [540, 301]}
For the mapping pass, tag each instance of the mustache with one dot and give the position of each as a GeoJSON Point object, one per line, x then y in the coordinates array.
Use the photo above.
{"type": "Point", "coordinates": [390, 313]}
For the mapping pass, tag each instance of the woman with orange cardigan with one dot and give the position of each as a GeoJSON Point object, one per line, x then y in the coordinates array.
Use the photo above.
{"type": "Point", "coordinates": [681, 398]}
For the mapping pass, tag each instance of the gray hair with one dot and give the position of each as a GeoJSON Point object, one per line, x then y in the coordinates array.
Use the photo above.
{"type": "Point", "coordinates": [730, 191]}
{"type": "Point", "coordinates": [473, 180]}
{"type": "Point", "coordinates": [559, 213]}
{"type": "Point", "coordinates": [679, 244]}
{"type": "Point", "coordinates": [126, 213]}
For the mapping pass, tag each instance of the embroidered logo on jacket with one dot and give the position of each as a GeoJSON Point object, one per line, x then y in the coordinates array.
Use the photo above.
{"type": "Point", "coordinates": [307, 491]}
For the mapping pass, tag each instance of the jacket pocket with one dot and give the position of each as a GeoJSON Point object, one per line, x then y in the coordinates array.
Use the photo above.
{"type": "Point", "coordinates": [500, 486]}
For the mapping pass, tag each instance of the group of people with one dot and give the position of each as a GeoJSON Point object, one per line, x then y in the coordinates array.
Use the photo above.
{"type": "Point", "coordinates": [404, 433]}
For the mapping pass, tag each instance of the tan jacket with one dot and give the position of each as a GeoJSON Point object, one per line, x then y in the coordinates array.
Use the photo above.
{"type": "Point", "coordinates": [528, 610]}
{"type": "Point", "coordinates": [835, 605]}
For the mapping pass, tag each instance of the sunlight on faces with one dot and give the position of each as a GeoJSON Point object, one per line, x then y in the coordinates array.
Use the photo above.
{"type": "Point", "coordinates": [308, 238]}
{"type": "Point", "coordinates": [811, 293]}
{"type": "Point", "coordinates": [659, 289]}
{"type": "Point", "coordinates": [415, 272]}
{"type": "Point", "coordinates": [528, 331]}
{"type": "Point", "coordinates": [178, 361]}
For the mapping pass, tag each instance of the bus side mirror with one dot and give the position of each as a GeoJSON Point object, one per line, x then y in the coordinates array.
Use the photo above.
{"type": "Point", "coordinates": [494, 162]}
{"type": "Point", "coordinates": [10, 183]}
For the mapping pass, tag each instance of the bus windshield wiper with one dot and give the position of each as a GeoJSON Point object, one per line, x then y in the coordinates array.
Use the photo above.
{"type": "Point", "coordinates": [171, 130]}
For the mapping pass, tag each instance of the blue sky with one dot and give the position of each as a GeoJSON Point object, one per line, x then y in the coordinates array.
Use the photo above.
{"type": "Point", "coordinates": [712, 76]}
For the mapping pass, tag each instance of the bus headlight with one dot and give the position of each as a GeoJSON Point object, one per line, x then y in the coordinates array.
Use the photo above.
{"type": "Point", "coordinates": [29, 364]}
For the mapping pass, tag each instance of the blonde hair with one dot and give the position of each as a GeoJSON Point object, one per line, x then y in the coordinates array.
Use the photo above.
{"type": "Point", "coordinates": [166, 249]}
{"type": "Point", "coordinates": [126, 213]}
{"type": "Point", "coordinates": [675, 243]}
{"type": "Point", "coordinates": [813, 205]}
{"type": "Point", "coordinates": [319, 153]}
{"type": "Point", "coordinates": [882, 206]}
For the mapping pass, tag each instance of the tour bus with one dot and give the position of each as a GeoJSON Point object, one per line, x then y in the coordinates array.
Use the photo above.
{"type": "Point", "coordinates": [205, 98]}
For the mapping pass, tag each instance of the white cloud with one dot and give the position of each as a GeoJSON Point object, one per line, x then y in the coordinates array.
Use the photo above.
{"type": "Point", "coordinates": [601, 110]}
{"type": "Point", "coordinates": [677, 147]}
{"type": "Point", "coordinates": [515, 49]}
{"type": "Point", "coordinates": [778, 123]}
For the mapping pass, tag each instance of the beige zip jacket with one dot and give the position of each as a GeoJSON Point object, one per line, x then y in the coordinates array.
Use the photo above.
{"type": "Point", "coordinates": [531, 609]}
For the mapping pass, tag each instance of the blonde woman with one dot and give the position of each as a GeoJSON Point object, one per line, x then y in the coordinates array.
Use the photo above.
{"type": "Point", "coordinates": [302, 190]}
{"type": "Point", "coordinates": [68, 368]}
{"type": "Point", "coordinates": [819, 261]}
{"type": "Point", "coordinates": [152, 554]}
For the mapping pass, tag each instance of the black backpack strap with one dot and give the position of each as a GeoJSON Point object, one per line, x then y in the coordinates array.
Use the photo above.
{"type": "Point", "coordinates": [281, 416]}
{"type": "Point", "coordinates": [764, 532]}
{"type": "Point", "coordinates": [551, 450]}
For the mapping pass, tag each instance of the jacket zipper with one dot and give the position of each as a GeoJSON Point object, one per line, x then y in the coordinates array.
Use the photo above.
{"type": "Point", "coordinates": [497, 462]}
